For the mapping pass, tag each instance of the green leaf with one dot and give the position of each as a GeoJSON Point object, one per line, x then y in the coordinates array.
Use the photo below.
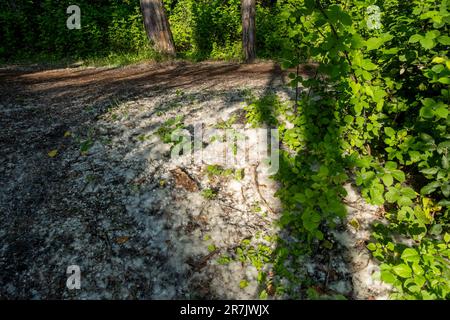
{"type": "Point", "coordinates": [368, 65]}
{"type": "Point", "coordinates": [52, 153]}
{"type": "Point", "coordinates": [402, 270]}
{"type": "Point", "coordinates": [427, 138]}
{"type": "Point", "coordinates": [417, 269]}
{"type": "Point", "coordinates": [404, 201]}
{"type": "Point", "coordinates": [243, 284]}
{"type": "Point", "coordinates": [398, 175]}
{"type": "Point", "coordinates": [415, 38]}
{"type": "Point", "coordinates": [445, 40]}
{"type": "Point", "coordinates": [348, 119]}
{"type": "Point", "coordinates": [445, 188]}
{"type": "Point", "coordinates": [391, 165]}
{"type": "Point", "coordinates": [335, 14]}
{"type": "Point", "coordinates": [427, 43]}
{"type": "Point", "coordinates": [410, 255]}
{"type": "Point", "coordinates": [388, 277]}
{"type": "Point", "coordinates": [438, 60]}
{"type": "Point", "coordinates": [433, 34]}
{"type": "Point", "coordinates": [447, 237]}
{"type": "Point", "coordinates": [444, 161]}
{"type": "Point", "coordinates": [430, 171]}
{"type": "Point", "coordinates": [374, 43]}
{"type": "Point", "coordinates": [444, 80]}
{"type": "Point", "coordinates": [409, 192]}
{"type": "Point", "coordinates": [427, 112]}
{"type": "Point", "coordinates": [430, 188]}
{"type": "Point", "coordinates": [436, 229]}
{"type": "Point", "coordinates": [388, 180]}
{"type": "Point", "coordinates": [389, 132]}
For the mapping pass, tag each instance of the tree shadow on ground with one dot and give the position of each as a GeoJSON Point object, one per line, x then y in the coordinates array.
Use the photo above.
{"type": "Point", "coordinates": [38, 109]}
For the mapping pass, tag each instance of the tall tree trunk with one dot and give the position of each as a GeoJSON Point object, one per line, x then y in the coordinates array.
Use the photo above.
{"type": "Point", "coordinates": [248, 8]}
{"type": "Point", "coordinates": [157, 26]}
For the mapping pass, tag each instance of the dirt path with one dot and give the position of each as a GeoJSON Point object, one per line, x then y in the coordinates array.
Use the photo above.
{"type": "Point", "coordinates": [87, 179]}
{"type": "Point", "coordinates": [116, 210]}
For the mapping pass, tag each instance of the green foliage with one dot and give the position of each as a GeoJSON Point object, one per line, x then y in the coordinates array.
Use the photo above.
{"type": "Point", "coordinates": [263, 111]}
{"type": "Point", "coordinates": [206, 29]}
{"type": "Point", "coordinates": [377, 109]}
{"type": "Point", "coordinates": [112, 32]}
{"type": "Point", "coordinates": [214, 170]}
{"type": "Point", "coordinates": [171, 129]}
{"type": "Point", "coordinates": [37, 30]}
{"type": "Point", "coordinates": [209, 194]}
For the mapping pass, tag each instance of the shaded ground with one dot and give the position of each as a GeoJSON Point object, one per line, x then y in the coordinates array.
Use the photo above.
{"type": "Point", "coordinates": [85, 179]}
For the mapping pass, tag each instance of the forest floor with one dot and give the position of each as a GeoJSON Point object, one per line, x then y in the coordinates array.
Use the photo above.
{"type": "Point", "coordinates": [87, 178]}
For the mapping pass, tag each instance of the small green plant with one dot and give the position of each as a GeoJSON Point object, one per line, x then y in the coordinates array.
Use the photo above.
{"type": "Point", "coordinates": [263, 111]}
{"type": "Point", "coordinates": [169, 128]}
{"type": "Point", "coordinates": [224, 260]}
{"type": "Point", "coordinates": [215, 170]}
{"type": "Point", "coordinates": [239, 174]}
{"type": "Point", "coordinates": [226, 124]}
{"type": "Point", "coordinates": [142, 137]}
{"type": "Point", "coordinates": [206, 237]}
{"type": "Point", "coordinates": [243, 284]}
{"type": "Point", "coordinates": [209, 194]}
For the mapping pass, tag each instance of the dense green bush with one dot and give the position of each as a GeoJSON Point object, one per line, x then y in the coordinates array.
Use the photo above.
{"type": "Point", "coordinates": [202, 29]}
{"type": "Point", "coordinates": [38, 28]}
{"type": "Point", "coordinates": [378, 110]}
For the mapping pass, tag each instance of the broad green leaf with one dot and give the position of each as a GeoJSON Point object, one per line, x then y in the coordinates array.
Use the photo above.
{"type": "Point", "coordinates": [391, 165]}
{"type": "Point", "coordinates": [374, 43]}
{"type": "Point", "coordinates": [348, 119]}
{"type": "Point", "coordinates": [427, 112]}
{"type": "Point", "coordinates": [444, 80]}
{"type": "Point", "coordinates": [415, 38]}
{"type": "Point", "coordinates": [447, 237]}
{"type": "Point", "coordinates": [430, 188]}
{"type": "Point", "coordinates": [398, 175]}
{"type": "Point", "coordinates": [433, 34]}
{"type": "Point", "coordinates": [409, 192]}
{"type": "Point", "coordinates": [445, 40]}
{"type": "Point", "coordinates": [404, 201]}
{"type": "Point", "coordinates": [410, 255]}
{"type": "Point", "coordinates": [388, 180]}
{"type": "Point", "coordinates": [438, 60]}
{"type": "Point", "coordinates": [427, 138]}
{"type": "Point", "coordinates": [427, 43]}
{"type": "Point", "coordinates": [417, 269]}
{"type": "Point", "coordinates": [389, 132]}
{"type": "Point", "coordinates": [402, 270]}
{"type": "Point", "coordinates": [430, 171]}
{"type": "Point", "coordinates": [368, 65]}
{"type": "Point", "coordinates": [388, 277]}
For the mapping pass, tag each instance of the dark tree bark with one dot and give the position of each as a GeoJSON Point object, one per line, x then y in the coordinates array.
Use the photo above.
{"type": "Point", "coordinates": [157, 26]}
{"type": "Point", "coordinates": [248, 8]}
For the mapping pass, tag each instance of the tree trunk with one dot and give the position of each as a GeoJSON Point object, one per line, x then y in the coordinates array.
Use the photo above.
{"type": "Point", "coordinates": [248, 8]}
{"type": "Point", "coordinates": [157, 26]}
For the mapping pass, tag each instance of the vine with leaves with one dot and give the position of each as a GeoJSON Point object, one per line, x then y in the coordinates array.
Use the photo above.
{"type": "Point", "coordinates": [376, 113]}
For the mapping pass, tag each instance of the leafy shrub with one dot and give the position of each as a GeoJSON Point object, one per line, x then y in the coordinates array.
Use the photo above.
{"type": "Point", "coordinates": [378, 110]}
